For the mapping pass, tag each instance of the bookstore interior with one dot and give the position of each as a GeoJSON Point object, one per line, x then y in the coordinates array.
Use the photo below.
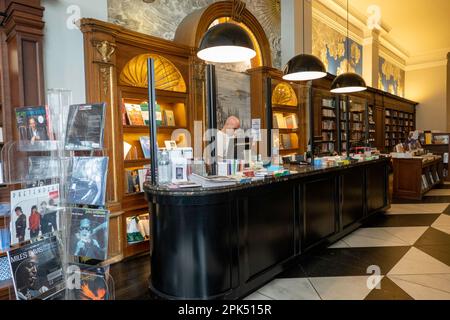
{"type": "Point", "coordinates": [200, 150]}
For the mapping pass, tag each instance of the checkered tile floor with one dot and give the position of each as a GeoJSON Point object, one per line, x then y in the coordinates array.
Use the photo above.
{"type": "Point", "coordinates": [409, 244]}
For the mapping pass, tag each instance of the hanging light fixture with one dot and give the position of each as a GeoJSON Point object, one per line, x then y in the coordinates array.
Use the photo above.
{"type": "Point", "coordinates": [304, 67]}
{"type": "Point", "coordinates": [348, 82]}
{"type": "Point", "coordinates": [226, 43]}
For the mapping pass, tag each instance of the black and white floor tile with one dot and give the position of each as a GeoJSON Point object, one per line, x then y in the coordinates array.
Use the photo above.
{"type": "Point", "coordinates": [409, 245]}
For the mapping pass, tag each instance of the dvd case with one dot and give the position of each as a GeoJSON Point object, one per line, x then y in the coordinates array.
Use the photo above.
{"type": "Point", "coordinates": [89, 233]}
{"type": "Point", "coordinates": [94, 283]}
{"type": "Point", "coordinates": [34, 212]}
{"type": "Point", "coordinates": [87, 181]}
{"type": "Point", "coordinates": [85, 127]}
{"type": "Point", "coordinates": [37, 269]}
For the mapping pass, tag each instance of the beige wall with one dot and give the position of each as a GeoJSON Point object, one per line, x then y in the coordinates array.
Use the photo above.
{"type": "Point", "coordinates": [429, 88]}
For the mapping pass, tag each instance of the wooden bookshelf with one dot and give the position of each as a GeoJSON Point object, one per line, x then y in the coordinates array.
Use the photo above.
{"type": "Point", "coordinates": [116, 72]}
{"type": "Point", "coordinates": [286, 100]}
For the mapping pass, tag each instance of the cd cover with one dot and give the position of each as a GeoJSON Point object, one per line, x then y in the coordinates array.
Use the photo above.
{"type": "Point", "coordinates": [42, 168]}
{"type": "Point", "coordinates": [33, 124]}
{"type": "Point", "coordinates": [37, 269]}
{"type": "Point", "coordinates": [87, 182]}
{"type": "Point", "coordinates": [89, 233]}
{"type": "Point", "coordinates": [85, 127]}
{"type": "Point", "coordinates": [94, 283]}
{"type": "Point", "coordinates": [34, 212]}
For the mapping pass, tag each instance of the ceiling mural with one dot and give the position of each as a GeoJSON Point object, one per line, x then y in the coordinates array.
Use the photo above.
{"type": "Point", "coordinates": [391, 78]}
{"type": "Point", "coordinates": [330, 46]}
{"type": "Point", "coordinates": [161, 18]}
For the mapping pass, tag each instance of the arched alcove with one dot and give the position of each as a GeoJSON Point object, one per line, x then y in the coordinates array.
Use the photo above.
{"type": "Point", "coordinates": [167, 76]}
{"type": "Point", "coordinates": [284, 94]}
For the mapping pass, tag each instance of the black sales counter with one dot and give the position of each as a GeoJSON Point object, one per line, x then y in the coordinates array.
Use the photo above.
{"type": "Point", "coordinates": [223, 243]}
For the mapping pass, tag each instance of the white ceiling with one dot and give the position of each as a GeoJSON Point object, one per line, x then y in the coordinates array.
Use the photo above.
{"type": "Point", "coordinates": [417, 27]}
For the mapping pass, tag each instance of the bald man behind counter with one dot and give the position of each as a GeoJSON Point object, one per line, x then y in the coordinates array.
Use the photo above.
{"type": "Point", "coordinates": [225, 135]}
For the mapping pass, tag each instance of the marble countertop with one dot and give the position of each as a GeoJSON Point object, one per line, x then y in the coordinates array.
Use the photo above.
{"type": "Point", "coordinates": [300, 172]}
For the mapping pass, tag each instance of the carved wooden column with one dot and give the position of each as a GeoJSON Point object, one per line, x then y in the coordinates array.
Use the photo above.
{"type": "Point", "coordinates": [22, 58]}
{"type": "Point", "coordinates": [101, 84]}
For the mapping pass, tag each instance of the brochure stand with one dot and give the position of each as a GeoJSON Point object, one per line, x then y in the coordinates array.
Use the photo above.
{"type": "Point", "coordinates": [46, 179]}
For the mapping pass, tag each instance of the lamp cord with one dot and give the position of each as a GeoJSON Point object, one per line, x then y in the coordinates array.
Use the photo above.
{"type": "Point", "coordinates": [303, 13]}
{"type": "Point", "coordinates": [348, 40]}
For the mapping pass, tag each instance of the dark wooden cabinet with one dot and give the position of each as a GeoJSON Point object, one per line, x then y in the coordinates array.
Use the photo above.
{"type": "Point", "coordinates": [353, 197]}
{"type": "Point", "coordinates": [377, 186]}
{"type": "Point", "coordinates": [319, 210]}
{"type": "Point", "coordinates": [275, 207]}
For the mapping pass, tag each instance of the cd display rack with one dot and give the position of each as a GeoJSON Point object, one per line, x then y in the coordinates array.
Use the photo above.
{"type": "Point", "coordinates": [49, 191]}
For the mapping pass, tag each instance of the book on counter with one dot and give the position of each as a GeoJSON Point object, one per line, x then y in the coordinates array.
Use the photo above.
{"type": "Point", "coordinates": [87, 181]}
{"type": "Point", "coordinates": [145, 144]}
{"type": "Point", "coordinates": [134, 114]}
{"type": "Point", "coordinates": [85, 127]}
{"type": "Point", "coordinates": [34, 212]}
{"type": "Point", "coordinates": [89, 233]}
{"type": "Point", "coordinates": [37, 269]}
{"type": "Point", "coordinates": [33, 124]}
{"type": "Point", "coordinates": [94, 283]}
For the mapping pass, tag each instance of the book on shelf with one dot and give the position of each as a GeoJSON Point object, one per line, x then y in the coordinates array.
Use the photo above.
{"type": "Point", "coordinates": [37, 269]}
{"type": "Point", "coordinates": [145, 113]}
{"type": "Point", "coordinates": [87, 181]}
{"type": "Point", "coordinates": [126, 149]}
{"type": "Point", "coordinates": [89, 233]}
{"type": "Point", "coordinates": [291, 121]}
{"type": "Point", "coordinates": [425, 181]}
{"type": "Point", "coordinates": [85, 127]}
{"type": "Point", "coordinates": [138, 228]}
{"type": "Point", "coordinates": [135, 179]}
{"type": "Point", "coordinates": [328, 113]}
{"type": "Point", "coordinates": [134, 114]}
{"type": "Point", "coordinates": [94, 283]}
{"type": "Point", "coordinates": [279, 121]}
{"type": "Point", "coordinates": [329, 103]}
{"type": "Point", "coordinates": [34, 124]}
{"type": "Point", "coordinates": [286, 141]}
{"type": "Point", "coordinates": [169, 118]}
{"type": "Point", "coordinates": [430, 176]}
{"type": "Point", "coordinates": [34, 212]}
{"type": "Point", "coordinates": [145, 145]}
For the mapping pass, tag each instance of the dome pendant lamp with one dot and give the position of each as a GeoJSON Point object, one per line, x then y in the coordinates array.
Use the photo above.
{"type": "Point", "coordinates": [304, 67]}
{"type": "Point", "coordinates": [226, 43]}
{"type": "Point", "coordinates": [348, 82]}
